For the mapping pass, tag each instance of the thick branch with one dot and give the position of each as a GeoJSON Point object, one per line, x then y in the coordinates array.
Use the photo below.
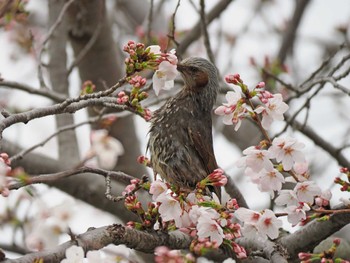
{"type": "Point", "coordinates": [313, 233]}
{"type": "Point", "coordinates": [115, 234]}
{"type": "Point", "coordinates": [68, 150]}
{"type": "Point", "coordinates": [103, 64]}
{"type": "Point", "coordinates": [290, 33]}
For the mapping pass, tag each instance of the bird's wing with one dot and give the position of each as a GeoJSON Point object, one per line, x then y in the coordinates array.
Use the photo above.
{"type": "Point", "coordinates": [204, 149]}
{"type": "Point", "coordinates": [203, 145]}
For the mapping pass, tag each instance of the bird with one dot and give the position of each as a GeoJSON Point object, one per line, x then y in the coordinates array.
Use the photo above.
{"type": "Point", "coordinates": [180, 137]}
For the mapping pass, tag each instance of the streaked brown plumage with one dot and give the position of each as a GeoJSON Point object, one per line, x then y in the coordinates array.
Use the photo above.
{"type": "Point", "coordinates": [180, 142]}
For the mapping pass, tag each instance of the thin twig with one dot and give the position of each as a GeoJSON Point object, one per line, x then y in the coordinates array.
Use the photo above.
{"type": "Point", "coordinates": [49, 178]}
{"type": "Point", "coordinates": [171, 35]}
{"type": "Point", "coordinates": [24, 87]}
{"type": "Point", "coordinates": [194, 34]}
{"type": "Point", "coordinates": [70, 105]}
{"type": "Point", "coordinates": [205, 32]}
{"type": "Point", "coordinates": [21, 154]}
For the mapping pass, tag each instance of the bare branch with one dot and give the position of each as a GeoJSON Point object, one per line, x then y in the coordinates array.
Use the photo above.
{"type": "Point", "coordinates": [171, 35]}
{"type": "Point", "coordinates": [290, 34]}
{"type": "Point", "coordinates": [195, 32]}
{"type": "Point", "coordinates": [205, 32]}
{"type": "Point", "coordinates": [70, 105]}
{"type": "Point", "coordinates": [313, 233]}
{"type": "Point", "coordinates": [24, 87]}
{"type": "Point", "coordinates": [49, 178]}
{"type": "Point", "coordinates": [98, 238]}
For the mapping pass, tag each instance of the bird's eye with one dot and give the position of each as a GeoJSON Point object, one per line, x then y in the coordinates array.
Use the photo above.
{"type": "Point", "coordinates": [193, 69]}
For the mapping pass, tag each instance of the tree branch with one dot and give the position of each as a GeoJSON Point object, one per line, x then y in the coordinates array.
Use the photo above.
{"type": "Point", "coordinates": [313, 233]}
{"type": "Point", "coordinates": [290, 33]}
{"type": "Point", "coordinates": [57, 97]}
{"type": "Point", "coordinates": [205, 32]}
{"type": "Point", "coordinates": [114, 234]}
{"type": "Point", "coordinates": [195, 32]}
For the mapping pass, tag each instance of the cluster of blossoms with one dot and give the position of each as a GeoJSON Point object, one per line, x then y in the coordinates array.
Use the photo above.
{"type": "Point", "coordinates": [44, 229]}
{"type": "Point", "coordinates": [266, 163]}
{"type": "Point", "coordinates": [202, 217]}
{"type": "Point", "coordinates": [141, 58]}
{"type": "Point", "coordinates": [5, 169]}
{"type": "Point", "coordinates": [345, 184]}
{"type": "Point", "coordinates": [239, 106]}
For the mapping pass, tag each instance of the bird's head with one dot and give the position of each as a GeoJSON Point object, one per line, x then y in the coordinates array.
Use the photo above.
{"type": "Point", "coordinates": [200, 77]}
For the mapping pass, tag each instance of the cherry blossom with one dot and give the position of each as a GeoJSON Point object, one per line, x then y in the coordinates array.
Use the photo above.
{"type": "Point", "coordinates": [208, 227]}
{"type": "Point", "coordinates": [297, 213]}
{"type": "Point", "coordinates": [323, 199]}
{"type": "Point", "coordinates": [157, 188]}
{"type": "Point", "coordinates": [306, 191]}
{"type": "Point", "coordinates": [256, 159]}
{"type": "Point", "coordinates": [155, 49]}
{"type": "Point", "coordinates": [287, 151]}
{"type": "Point", "coordinates": [254, 176]}
{"type": "Point", "coordinates": [270, 181]}
{"type": "Point", "coordinates": [286, 197]}
{"type": "Point", "coordinates": [94, 256]}
{"type": "Point", "coordinates": [171, 57]}
{"type": "Point", "coordinates": [74, 254]}
{"type": "Point", "coordinates": [163, 78]}
{"type": "Point", "coordinates": [259, 225]}
{"type": "Point", "coordinates": [247, 215]}
{"type": "Point", "coordinates": [169, 208]}
{"type": "Point", "coordinates": [106, 148]}
{"type": "Point", "coordinates": [165, 255]}
{"type": "Point", "coordinates": [268, 224]}
{"type": "Point", "coordinates": [301, 172]}
{"type": "Point", "coordinates": [37, 241]}
{"type": "Point", "coordinates": [197, 212]}
{"type": "Point", "coordinates": [273, 109]}
{"type": "Point", "coordinates": [250, 230]}
{"type": "Point", "coordinates": [234, 110]}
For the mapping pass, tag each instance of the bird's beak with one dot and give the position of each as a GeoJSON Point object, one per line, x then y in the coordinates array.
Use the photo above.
{"type": "Point", "coordinates": [181, 67]}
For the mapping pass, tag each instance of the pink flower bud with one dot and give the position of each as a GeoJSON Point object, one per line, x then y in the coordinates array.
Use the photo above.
{"type": "Point", "coordinates": [135, 181]}
{"type": "Point", "coordinates": [304, 256]}
{"type": "Point", "coordinates": [121, 94]}
{"type": "Point", "coordinates": [337, 241]}
{"type": "Point", "coordinates": [5, 158]}
{"type": "Point", "coordinates": [344, 170]}
{"type": "Point", "coordinates": [232, 204]}
{"type": "Point", "coordinates": [147, 115]}
{"type": "Point", "coordinates": [239, 250]}
{"type": "Point", "coordinates": [260, 85]}
{"type": "Point", "coordinates": [130, 224]}
{"type": "Point", "coordinates": [217, 178]}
